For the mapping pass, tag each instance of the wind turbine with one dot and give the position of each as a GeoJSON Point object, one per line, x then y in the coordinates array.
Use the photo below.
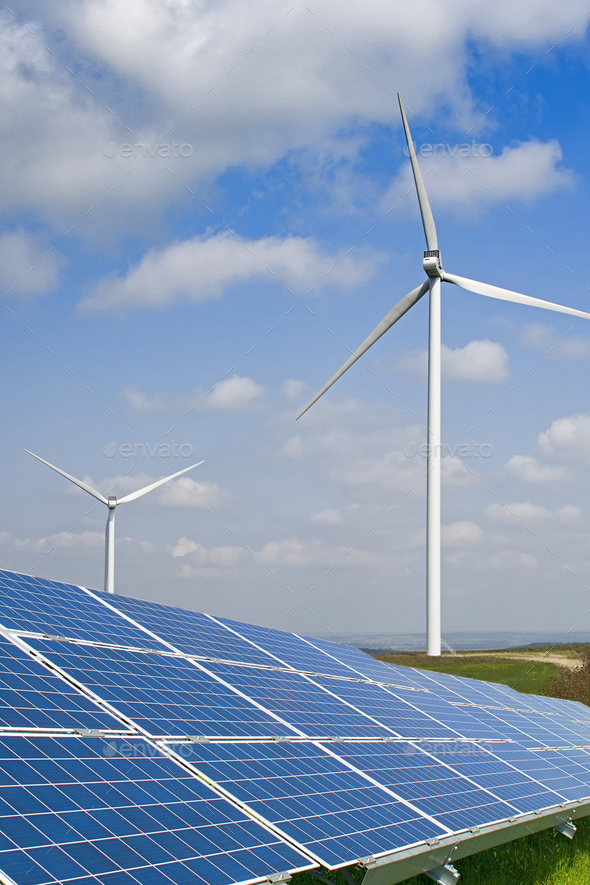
{"type": "Point", "coordinates": [111, 502]}
{"type": "Point", "coordinates": [435, 275]}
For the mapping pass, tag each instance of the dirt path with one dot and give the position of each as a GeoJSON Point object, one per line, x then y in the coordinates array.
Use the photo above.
{"type": "Point", "coordinates": [569, 663]}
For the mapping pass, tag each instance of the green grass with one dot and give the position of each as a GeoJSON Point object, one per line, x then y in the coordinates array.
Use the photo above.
{"type": "Point", "coordinates": [530, 677]}
{"type": "Point", "coordinates": [546, 858]}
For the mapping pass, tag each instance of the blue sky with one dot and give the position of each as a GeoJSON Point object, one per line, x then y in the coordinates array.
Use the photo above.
{"type": "Point", "coordinates": [203, 295]}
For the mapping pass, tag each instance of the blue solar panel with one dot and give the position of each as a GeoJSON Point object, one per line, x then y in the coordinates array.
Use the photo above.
{"type": "Point", "coordinates": [191, 632]}
{"type": "Point", "coordinates": [78, 809]}
{"type": "Point", "coordinates": [334, 812]}
{"type": "Point", "coordinates": [292, 651]}
{"type": "Point", "coordinates": [301, 703]}
{"type": "Point", "coordinates": [365, 666]}
{"type": "Point", "coordinates": [32, 697]}
{"type": "Point", "coordinates": [432, 785]}
{"type": "Point", "coordinates": [397, 714]}
{"type": "Point", "coordinates": [39, 606]}
{"type": "Point", "coordinates": [162, 694]}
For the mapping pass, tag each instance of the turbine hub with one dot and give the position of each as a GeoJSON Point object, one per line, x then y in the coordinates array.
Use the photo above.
{"type": "Point", "coordinates": [112, 502]}
{"type": "Point", "coordinates": [431, 263]}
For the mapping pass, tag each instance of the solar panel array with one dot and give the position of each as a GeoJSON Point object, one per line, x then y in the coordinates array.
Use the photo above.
{"type": "Point", "coordinates": [141, 743]}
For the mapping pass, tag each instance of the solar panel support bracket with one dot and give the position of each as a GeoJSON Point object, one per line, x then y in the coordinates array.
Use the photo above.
{"type": "Point", "coordinates": [566, 828]}
{"type": "Point", "coordinates": [444, 875]}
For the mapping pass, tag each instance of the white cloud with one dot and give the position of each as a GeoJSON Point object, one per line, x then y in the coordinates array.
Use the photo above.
{"type": "Point", "coordinates": [202, 268]}
{"type": "Point", "coordinates": [292, 389]}
{"type": "Point", "coordinates": [510, 559]}
{"type": "Point", "coordinates": [543, 338]}
{"type": "Point", "coordinates": [233, 394]}
{"type": "Point", "coordinates": [530, 512]}
{"type": "Point", "coordinates": [333, 517]}
{"type": "Point", "coordinates": [142, 404]}
{"type": "Point", "coordinates": [462, 532]}
{"type": "Point", "coordinates": [328, 517]}
{"type": "Point", "coordinates": [25, 265]}
{"type": "Point", "coordinates": [297, 553]}
{"type": "Point", "coordinates": [185, 492]}
{"type": "Point", "coordinates": [265, 92]}
{"type": "Point", "coordinates": [523, 172]}
{"type": "Point", "coordinates": [216, 556]}
{"type": "Point", "coordinates": [568, 439]}
{"type": "Point", "coordinates": [525, 468]}
{"type": "Point", "coordinates": [478, 362]}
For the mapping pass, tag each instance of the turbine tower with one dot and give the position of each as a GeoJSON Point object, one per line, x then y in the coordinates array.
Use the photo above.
{"type": "Point", "coordinates": [111, 502]}
{"type": "Point", "coordinates": [435, 274]}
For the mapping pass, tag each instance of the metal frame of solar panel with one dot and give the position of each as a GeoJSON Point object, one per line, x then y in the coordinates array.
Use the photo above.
{"type": "Point", "coordinates": [317, 753]}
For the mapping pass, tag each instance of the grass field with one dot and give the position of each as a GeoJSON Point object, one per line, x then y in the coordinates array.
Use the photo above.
{"type": "Point", "coordinates": [546, 858]}
{"type": "Point", "coordinates": [531, 677]}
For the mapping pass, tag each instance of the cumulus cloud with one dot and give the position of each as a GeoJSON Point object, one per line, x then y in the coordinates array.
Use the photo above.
{"type": "Point", "coordinates": [27, 266]}
{"type": "Point", "coordinates": [568, 439]}
{"type": "Point", "coordinates": [202, 268]}
{"type": "Point", "coordinates": [462, 532]}
{"type": "Point", "coordinates": [478, 362]}
{"type": "Point", "coordinates": [141, 404]}
{"type": "Point", "coordinates": [233, 394]}
{"type": "Point", "coordinates": [217, 556]}
{"type": "Point", "coordinates": [543, 338]}
{"type": "Point", "coordinates": [185, 492]}
{"type": "Point", "coordinates": [292, 389]}
{"type": "Point", "coordinates": [523, 172]}
{"type": "Point", "coordinates": [525, 468]}
{"type": "Point", "coordinates": [311, 551]}
{"type": "Point", "coordinates": [265, 92]}
{"type": "Point", "coordinates": [530, 512]}
{"type": "Point", "coordinates": [330, 516]}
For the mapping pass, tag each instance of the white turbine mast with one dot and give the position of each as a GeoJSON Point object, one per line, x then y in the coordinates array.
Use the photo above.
{"type": "Point", "coordinates": [111, 502]}
{"type": "Point", "coordinates": [435, 275]}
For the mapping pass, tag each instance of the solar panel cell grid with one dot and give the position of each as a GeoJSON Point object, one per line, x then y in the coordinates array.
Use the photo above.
{"type": "Point", "coordinates": [290, 650]}
{"type": "Point", "coordinates": [300, 702]}
{"type": "Point", "coordinates": [186, 826]}
{"type": "Point", "coordinates": [413, 773]}
{"type": "Point", "coordinates": [365, 666]}
{"type": "Point", "coordinates": [313, 797]}
{"type": "Point", "coordinates": [397, 715]}
{"type": "Point", "coordinates": [191, 632]}
{"type": "Point", "coordinates": [163, 695]}
{"type": "Point", "coordinates": [32, 697]}
{"type": "Point", "coordinates": [39, 606]}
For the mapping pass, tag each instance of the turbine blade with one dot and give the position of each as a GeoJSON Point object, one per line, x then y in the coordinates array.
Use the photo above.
{"type": "Point", "coordinates": [386, 323]}
{"type": "Point", "coordinates": [425, 210]}
{"type": "Point", "coordinates": [508, 295]}
{"type": "Point", "coordinates": [154, 485]}
{"type": "Point", "coordinates": [77, 482]}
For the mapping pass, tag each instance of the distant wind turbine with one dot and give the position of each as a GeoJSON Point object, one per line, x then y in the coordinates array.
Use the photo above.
{"type": "Point", "coordinates": [435, 274]}
{"type": "Point", "coordinates": [111, 502]}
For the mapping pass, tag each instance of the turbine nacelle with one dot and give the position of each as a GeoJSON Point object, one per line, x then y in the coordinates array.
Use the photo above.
{"type": "Point", "coordinates": [432, 265]}
{"type": "Point", "coordinates": [112, 502]}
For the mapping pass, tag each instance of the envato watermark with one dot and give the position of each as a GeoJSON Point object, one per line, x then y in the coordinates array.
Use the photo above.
{"type": "Point", "coordinates": [134, 450]}
{"type": "Point", "coordinates": [444, 450]}
{"type": "Point", "coordinates": [145, 150]}
{"type": "Point", "coordinates": [453, 150]}
{"type": "Point", "coordinates": [140, 749]}
{"type": "Point", "coordinates": [451, 748]}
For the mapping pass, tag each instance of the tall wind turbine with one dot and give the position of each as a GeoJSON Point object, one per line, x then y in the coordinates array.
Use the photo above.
{"type": "Point", "coordinates": [111, 502]}
{"type": "Point", "coordinates": [435, 275]}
